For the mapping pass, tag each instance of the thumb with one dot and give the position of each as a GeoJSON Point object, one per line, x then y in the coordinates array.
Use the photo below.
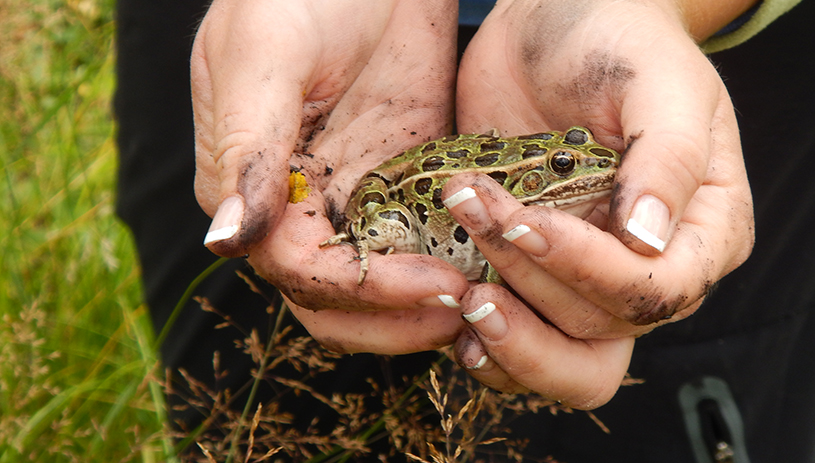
{"type": "Point", "coordinates": [669, 120]}
{"type": "Point", "coordinates": [248, 106]}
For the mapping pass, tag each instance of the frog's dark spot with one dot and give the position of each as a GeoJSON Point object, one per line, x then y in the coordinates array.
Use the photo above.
{"type": "Point", "coordinates": [432, 163]}
{"type": "Point", "coordinates": [460, 235]}
{"type": "Point", "coordinates": [534, 152]}
{"type": "Point", "coordinates": [457, 154]}
{"type": "Point", "coordinates": [400, 195]}
{"type": "Point", "coordinates": [493, 146]}
{"type": "Point", "coordinates": [450, 138]}
{"type": "Point", "coordinates": [429, 147]}
{"type": "Point", "coordinates": [375, 175]}
{"type": "Point", "coordinates": [429, 252]}
{"type": "Point", "coordinates": [576, 137]}
{"type": "Point", "coordinates": [532, 182]}
{"type": "Point", "coordinates": [422, 186]}
{"type": "Point", "coordinates": [372, 197]}
{"type": "Point", "coordinates": [372, 232]}
{"type": "Point", "coordinates": [536, 136]}
{"type": "Point", "coordinates": [437, 199]}
{"type": "Point", "coordinates": [421, 212]}
{"type": "Point", "coordinates": [433, 241]}
{"type": "Point", "coordinates": [450, 251]}
{"type": "Point", "coordinates": [487, 159]}
{"type": "Point", "coordinates": [498, 176]}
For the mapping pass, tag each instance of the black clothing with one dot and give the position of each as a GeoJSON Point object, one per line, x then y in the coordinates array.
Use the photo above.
{"type": "Point", "coordinates": [753, 333]}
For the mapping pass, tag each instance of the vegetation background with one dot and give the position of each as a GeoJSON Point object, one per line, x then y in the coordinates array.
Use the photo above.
{"type": "Point", "coordinates": [74, 334]}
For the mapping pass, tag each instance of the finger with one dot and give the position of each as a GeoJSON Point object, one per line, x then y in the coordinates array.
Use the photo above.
{"type": "Point", "coordinates": [246, 127]}
{"type": "Point", "coordinates": [327, 278]}
{"type": "Point", "coordinates": [669, 146]}
{"type": "Point", "coordinates": [474, 358]}
{"type": "Point", "coordinates": [482, 217]}
{"type": "Point", "coordinates": [580, 278]}
{"type": "Point", "coordinates": [382, 332]}
{"type": "Point", "coordinates": [582, 374]}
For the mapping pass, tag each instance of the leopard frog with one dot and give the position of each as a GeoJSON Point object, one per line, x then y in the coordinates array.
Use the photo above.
{"type": "Point", "coordinates": [397, 206]}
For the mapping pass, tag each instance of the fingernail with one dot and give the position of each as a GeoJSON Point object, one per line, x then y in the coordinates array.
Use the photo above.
{"type": "Point", "coordinates": [470, 353]}
{"type": "Point", "coordinates": [480, 363]}
{"type": "Point", "coordinates": [442, 300]}
{"type": "Point", "coordinates": [227, 220]}
{"type": "Point", "coordinates": [470, 211]}
{"type": "Point", "coordinates": [488, 321]}
{"type": "Point", "coordinates": [528, 240]}
{"type": "Point", "coordinates": [649, 221]}
{"type": "Point", "coordinates": [459, 197]}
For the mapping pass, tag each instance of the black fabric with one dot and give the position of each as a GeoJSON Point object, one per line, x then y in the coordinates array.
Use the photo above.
{"type": "Point", "coordinates": [754, 332]}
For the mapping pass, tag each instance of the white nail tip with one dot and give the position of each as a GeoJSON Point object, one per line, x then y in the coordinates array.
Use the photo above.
{"type": "Point", "coordinates": [481, 362]}
{"type": "Point", "coordinates": [449, 301]}
{"type": "Point", "coordinates": [644, 235]}
{"type": "Point", "coordinates": [220, 234]}
{"type": "Point", "coordinates": [480, 313]}
{"type": "Point", "coordinates": [459, 197]}
{"type": "Point", "coordinates": [516, 233]}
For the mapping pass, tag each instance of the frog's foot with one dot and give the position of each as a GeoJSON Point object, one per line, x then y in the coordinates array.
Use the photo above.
{"type": "Point", "coordinates": [336, 239]}
{"type": "Point", "coordinates": [362, 247]}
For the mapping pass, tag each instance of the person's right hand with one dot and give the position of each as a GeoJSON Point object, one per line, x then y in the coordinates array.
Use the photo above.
{"type": "Point", "coordinates": [330, 89]}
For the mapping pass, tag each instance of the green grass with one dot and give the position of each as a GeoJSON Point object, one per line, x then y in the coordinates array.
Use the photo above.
{"type": "Point", "coordinates": [74, 334]}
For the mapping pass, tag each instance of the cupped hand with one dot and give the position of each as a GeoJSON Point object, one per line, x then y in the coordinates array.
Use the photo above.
{"type": "Point", "coordinates": [329, 89]}
{"type": "Point", "coordinates": [680, 215]}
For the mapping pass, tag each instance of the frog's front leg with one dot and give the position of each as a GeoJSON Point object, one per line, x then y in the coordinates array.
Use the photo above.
{"type": "Point", "coordinates": [388, 228]}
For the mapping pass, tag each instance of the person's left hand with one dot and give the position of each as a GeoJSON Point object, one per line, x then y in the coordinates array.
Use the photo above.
{"type": "Point", "coordinates": [631, 73]}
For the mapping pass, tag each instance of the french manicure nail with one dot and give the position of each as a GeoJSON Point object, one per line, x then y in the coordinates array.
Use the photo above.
{"type": "Point", "coordinates": [470, 211]}
{"type": "Point", "coordinates": [480, 313]}
{"type": "Point", "coordinates": [470, 352]}
{"type": "Point", "coordinates": [481, 362]}
{"type": "Point", "coordinates": [459, 197]}
{"type": "Point", "coordinates": [442, 300]}
{"type": "Point", "coordinates": [227, 220]}
{"type": "Point", "coordinates": [488, 321]}
{"type": "Point", "coordinates": [527, 239]}
{"type": "Point", "coordinates": [649, 221]}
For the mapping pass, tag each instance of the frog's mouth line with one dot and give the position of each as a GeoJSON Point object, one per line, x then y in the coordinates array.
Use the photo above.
{"type": "Point", "coordinates": [579, 190]}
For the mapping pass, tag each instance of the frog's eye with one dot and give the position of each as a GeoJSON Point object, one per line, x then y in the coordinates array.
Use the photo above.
{"type": "Point", "coordinates": [562, 163]}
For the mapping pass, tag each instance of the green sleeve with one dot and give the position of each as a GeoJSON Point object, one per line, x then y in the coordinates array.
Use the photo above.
{"type": "Point", "coordinates": [766, 13]}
